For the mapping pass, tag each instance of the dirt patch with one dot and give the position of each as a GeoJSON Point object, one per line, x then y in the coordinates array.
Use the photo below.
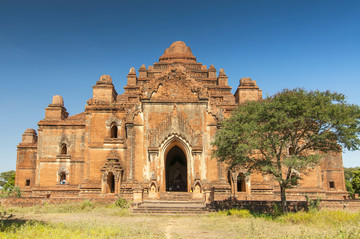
{"type": "Point", "coordinates": [204, 226]}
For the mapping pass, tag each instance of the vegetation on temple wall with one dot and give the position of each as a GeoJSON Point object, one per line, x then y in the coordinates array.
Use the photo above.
{"type": "Point", "coordinates": [284, 135]}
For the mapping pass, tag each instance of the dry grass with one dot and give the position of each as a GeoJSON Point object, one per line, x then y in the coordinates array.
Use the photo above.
{"type": "Point", "coordinates": [35, 229]}
{"type": "Point", "coordinates": [95, 221]}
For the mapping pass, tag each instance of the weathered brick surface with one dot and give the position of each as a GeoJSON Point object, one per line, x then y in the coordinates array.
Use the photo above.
{"type": "Point", "coordinates": [293, 206]}
{"type": "Point", "coordinates": [120, 144]}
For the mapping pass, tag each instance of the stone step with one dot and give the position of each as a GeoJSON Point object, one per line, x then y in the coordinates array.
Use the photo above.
{"type": "Point", "coordinates": [171, 207]}
{"type": "Point", "coordinates": [168, 211]}
{"type": "Point", "coordinates": [177, 196]}
{"type": "Point", "coordinates": [161, 203]}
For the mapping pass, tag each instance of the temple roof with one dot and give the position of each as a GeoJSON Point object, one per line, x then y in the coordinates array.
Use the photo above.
{"type": "Point", "coordinates": [178, 51]}
{"type": "Point", "coordinates": [78, 117]}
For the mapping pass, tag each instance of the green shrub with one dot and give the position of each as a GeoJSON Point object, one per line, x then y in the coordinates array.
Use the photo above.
{"type": "Point", "coordinates": [122, 203]}
{"type": "Point", "coordinates": [313, 204]}
{"type": "Point", "coordinates": [240, 213]}
{"type": "Point", "coordinates": [276, 210]}
{"type": "Point", "coordinates": [16, 191]}
{"type": "Point", "coordinates": [10, 191]}
{"type": "Point", "coordinates": [349, 188]}
{"type": "Point", "coordinates": [296, 218]}
{"type": "Point", "coordinates": [356, 181]}
{"type": "Point", "coordinates": [3, 193]}
{"type": "Point", "coordinates": [87, 205]}
{"type": "Point", "coordinates": [219, 213]}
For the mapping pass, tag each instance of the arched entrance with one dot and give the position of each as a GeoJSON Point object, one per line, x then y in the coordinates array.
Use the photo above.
{"type": "Point", "coordinates": [176, 170]}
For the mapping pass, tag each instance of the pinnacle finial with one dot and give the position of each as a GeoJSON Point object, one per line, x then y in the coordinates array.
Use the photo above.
{"type": "Point", "coordinates": [106, 79]}
{"type": "Point", "coordinates": [57, 100]}
{"type": "Point", "coordinates": [222, 72]}
{"type": "Point", "coordinates": [132, 71]}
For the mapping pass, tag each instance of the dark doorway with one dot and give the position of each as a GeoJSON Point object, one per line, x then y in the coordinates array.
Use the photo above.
{"type": "Point", "coordinates": [63, 149]}
{"type": "Point", "coordinates": [111, 182]}
{"type": "Point", "coordinates": [176, 170]}
{"type": "Point", "coordinates": [241, 183]}
{"type": "Point", "coordinates": [62, 177]}
{"type": "Point", "coordinates": [114, 132]}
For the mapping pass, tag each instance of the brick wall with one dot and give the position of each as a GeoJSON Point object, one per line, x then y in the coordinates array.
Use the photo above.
{"type": "Point", "coordinates": [268, 206]}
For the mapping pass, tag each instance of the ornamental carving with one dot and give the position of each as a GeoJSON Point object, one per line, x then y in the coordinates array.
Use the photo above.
{"type": "Point", "coordinates": [175, 123]}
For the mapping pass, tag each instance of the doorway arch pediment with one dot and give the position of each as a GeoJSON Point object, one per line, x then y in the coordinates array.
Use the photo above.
{"type": "Point", "coordinates": [173, 139]}
{"type": "Point", "coordinates": [175, 163]}
{"type": "Point", "coordinates": [175, 123]}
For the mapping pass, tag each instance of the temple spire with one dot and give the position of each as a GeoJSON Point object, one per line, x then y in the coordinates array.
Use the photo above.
{"type": "Point", "coordinates": [178, 51]}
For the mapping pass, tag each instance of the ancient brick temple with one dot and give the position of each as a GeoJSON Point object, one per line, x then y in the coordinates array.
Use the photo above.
{"type": "Point", "coordinates": [153, 141]}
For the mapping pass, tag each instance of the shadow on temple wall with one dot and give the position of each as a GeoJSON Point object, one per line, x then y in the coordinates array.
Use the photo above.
{"type": "Point", "coordinates": [257, 206]}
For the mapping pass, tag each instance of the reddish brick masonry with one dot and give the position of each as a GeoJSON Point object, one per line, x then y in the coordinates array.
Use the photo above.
{"type": "Point", "coordinates": [153, 138]}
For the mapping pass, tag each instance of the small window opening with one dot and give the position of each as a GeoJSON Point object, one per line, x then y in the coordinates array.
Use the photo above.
{"type": "Point", "coordinates": [62, 178]}
{"type": "Point", "coordinates": [114, 132]}
{"type": "Point", "coordinates": [291, 150]}
{"type": "Point", "coordinates": [63, 149]}
{"type": "Point", "coordinates": [241, 183]}
{"type": "Point", "coordinates": [27, 182]}
{"type": "Point", "coordinates": [332, 184]}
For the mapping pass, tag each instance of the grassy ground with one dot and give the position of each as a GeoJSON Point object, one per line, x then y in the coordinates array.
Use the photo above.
{"type": "Point", "coordinates": [87, 220]}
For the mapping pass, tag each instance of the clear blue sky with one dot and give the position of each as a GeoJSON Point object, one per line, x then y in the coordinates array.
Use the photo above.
{"type": "Point", "coordinates": [63, 47]}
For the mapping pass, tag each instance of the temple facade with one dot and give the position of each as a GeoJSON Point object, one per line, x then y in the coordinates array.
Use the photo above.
{"type": "Point", "coordinates": [154, 141]}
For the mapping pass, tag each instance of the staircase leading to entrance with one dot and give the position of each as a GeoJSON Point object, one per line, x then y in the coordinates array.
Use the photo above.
{"type": "Point", "coordinates": [172, 203]}
{"type": "Point", "coordinates": [171, 207]}
{"type": "Point", "coordinates": [177, 196]}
